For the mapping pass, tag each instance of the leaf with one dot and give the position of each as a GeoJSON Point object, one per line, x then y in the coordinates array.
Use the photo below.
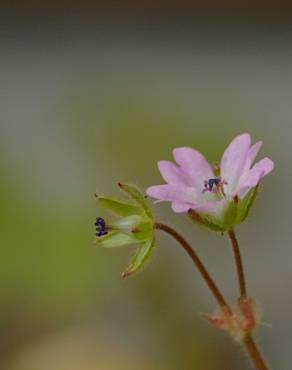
{"type": "Point", "coordinates": [115, 239]}
{"type": "Point", "coordinates": [137, 196]}
{"type": "Point", "coordinates": [140, 257]}
{"type": "Point", "coordinates": [117, 206]}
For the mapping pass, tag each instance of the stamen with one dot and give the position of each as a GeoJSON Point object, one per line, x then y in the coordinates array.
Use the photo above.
{"type": "Point", "coordinates": [214, 185]}
{"type": "Point", "coordinates": [101, 228]}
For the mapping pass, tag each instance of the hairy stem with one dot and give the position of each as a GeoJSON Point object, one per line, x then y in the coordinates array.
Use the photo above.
{"type": "Point", "coordinates": [238, 262]}
{"type": "Point", "coordinates": [249, 343]}
{"type": "Point", "coordinates": [255, 356]}
{"type": "Point", "coordinates": [197, 261]}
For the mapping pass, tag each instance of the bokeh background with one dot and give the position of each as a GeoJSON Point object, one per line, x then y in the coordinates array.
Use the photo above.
{"type": "Point", "coordinates": [95, 93]}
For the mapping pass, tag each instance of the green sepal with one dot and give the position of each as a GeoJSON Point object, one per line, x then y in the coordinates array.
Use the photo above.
{"type": "Point", "coordinates": [246, 204]}
{"type": "Point", "coordinates": [236, 212]}
{"type": "Point", "coordinates": [231, 213]}
{"type": "Point", "coordinates": [140, 227]}
{"type": "Point", "coordinates": [118, 207]}
{"type": "Point", "coordinates": [140, 257]}
{"type": "Point", "coordinates": [137, 196]}
{"type": "Point", "coordinates": [115, 239]}
{"type": "Point", "coordinates": [207, 221]}
{"type": "Point", "coordinates": [143, 230]}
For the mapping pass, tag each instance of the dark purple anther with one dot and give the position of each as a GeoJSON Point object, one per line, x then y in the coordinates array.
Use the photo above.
{"type": "Point", "coordinates": [100, 222]}
{"type": "Point", "coordinates": [100, 227]}
{"type": "Point", "coordinates": [211, 183]}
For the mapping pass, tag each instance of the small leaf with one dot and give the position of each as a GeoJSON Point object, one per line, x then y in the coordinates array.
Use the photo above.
{"type": "Point", "coordinates": [137, 196]}
{"type": "Point", "coordinates": [118, 207]}
{"type": "Point", "coordinates": [115, 239]}
{"type": "Point", "coordinates": [140, 257]}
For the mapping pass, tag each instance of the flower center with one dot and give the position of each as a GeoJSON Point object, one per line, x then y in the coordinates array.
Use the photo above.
{"type": "Point", "coordinates": [100, 226]}
{"type": "Point", "coordinates": [214, 185]}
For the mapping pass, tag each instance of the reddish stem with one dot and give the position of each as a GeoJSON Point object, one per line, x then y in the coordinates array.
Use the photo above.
{"type": "Point", "coordinates": [255, 356]}
{"type": "Point", "coordinates": [239, 264]}
{"type": "Point", "coordinates": [197, 261]}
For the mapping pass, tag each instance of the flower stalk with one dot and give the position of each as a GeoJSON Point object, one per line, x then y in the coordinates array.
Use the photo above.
{"type": "Point", "coordinates": [239, 264]}
{"type": "Point", "coordinates": [255, 355]}
{"type": "Point", "coordinates": [199, 264]}
{"type": "Point", "coordinates": [248, 341]}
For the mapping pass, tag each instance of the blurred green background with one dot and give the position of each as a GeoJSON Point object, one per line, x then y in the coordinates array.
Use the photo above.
{"type": "Point", "coordinates": [91, 97]}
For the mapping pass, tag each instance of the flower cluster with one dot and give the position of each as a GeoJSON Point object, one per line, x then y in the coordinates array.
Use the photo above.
{"type": "Point", "coordinates": [218, 197]}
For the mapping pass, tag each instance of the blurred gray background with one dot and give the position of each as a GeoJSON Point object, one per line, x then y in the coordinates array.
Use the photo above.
{"type": "Point", "coordinates": [91, 95]}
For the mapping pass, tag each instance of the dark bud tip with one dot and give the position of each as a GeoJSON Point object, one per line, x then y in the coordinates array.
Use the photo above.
{"type": "Point", "coordinates": [135, 230]}
{"type": "Point", "coordinates": [120, 185]}
{"type": "Point", "coordinates": [95, 195]}
{"type": "Point", "coordinates": [194, 215]}
{"type": "Point", "coordinates": [216, 169]}
{"type": "Point", "coordinates": [236, 199]}
{"type": "Point", "coordinates": [125, 274]}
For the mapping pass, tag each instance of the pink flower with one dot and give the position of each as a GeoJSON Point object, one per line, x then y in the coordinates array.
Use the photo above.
{"type": "Point", "coordinates": [192, 183]}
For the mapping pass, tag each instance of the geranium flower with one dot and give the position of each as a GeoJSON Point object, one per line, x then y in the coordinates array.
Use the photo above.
{"type": "Point", "coordinates": [193, 184]}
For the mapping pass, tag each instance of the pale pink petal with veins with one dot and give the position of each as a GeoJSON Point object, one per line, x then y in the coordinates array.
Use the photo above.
{"type": "Point", "coordinates": [258, 171]}
{"type": "Point", "coordinates": [171, 173]}
{"type": "Point", "coordinates": [174, 193]}
{"type": "Point", "coordinates": [233, 161]}
{"type": "Point", "coordinates": [194, 165]}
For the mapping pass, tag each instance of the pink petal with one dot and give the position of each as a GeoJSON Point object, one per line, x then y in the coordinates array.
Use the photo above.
{"type": "Point", "coordinates": [258, 171]}
{"type": "Point", "coordinates": [194, 166]}
{"type": "Point", "coordinates": [233, 160]}
{"type": "Point", "coordinates": [251, 155]}
{"type": "Point", "coordinates": [171, 173]}
{"type": "Point", "coordinates": [173, 193]}
{"type": "Point", "coordinates": [180, 207]}
{"type": "Point", "coordinates": [253, 151]}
